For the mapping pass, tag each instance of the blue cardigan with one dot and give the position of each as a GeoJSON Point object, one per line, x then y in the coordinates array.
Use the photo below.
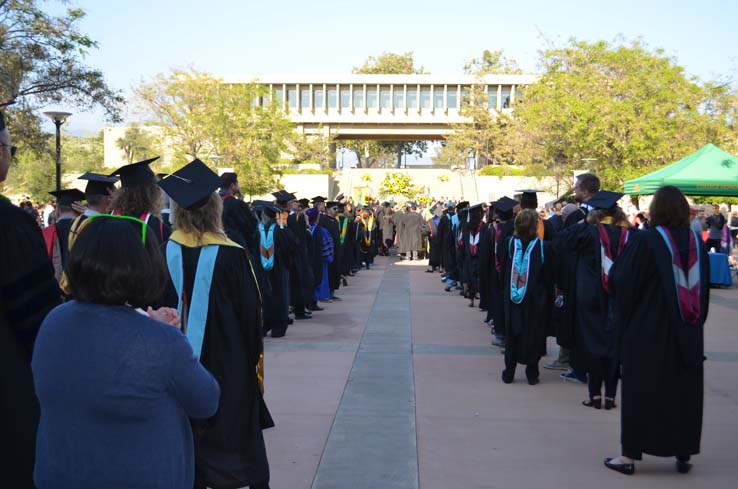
{"type": "Point", "coordinates": [116, 390]}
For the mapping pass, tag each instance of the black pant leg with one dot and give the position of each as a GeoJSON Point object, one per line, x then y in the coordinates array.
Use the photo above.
{"type": "Point", "coordinates": [596, 377]}
{"type": "Point", "coordinates": [611, 378]}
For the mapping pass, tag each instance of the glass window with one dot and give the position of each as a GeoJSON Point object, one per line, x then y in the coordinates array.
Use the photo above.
{"type": "Point", "coordinates": [425, 101]}
{"type": "Point", "coordinates": [292, 97]}
{"type": "Point", "coordinates": [412, 98]}
{"type": "Point", "coordinates": [384, 97]}
{"type": "Point", "coordinates": [332, 101]}
{"type": "Point", "coordinates": [345, 98]}
{"type": "Point", "coordinates": [371, 98]}
{"type": "Point", "coordinates": [505, 97]}
{"type": "Point", "coordinates": [492, 97]}
{"type": "Point", "coordinates": [305, 98]}
{"type": "Point", "coordinates": [451, 99]}
{"type": "Point", "coordinates": [437, 97]}
{"type": "Point", "coordinates": [398, 101]}
{"type": "Point", "coordinates": [359, 99]}
{"type": "Point", "coordinates": [279, 94]}
{"type": "Point", "coordinates": [318, 98]}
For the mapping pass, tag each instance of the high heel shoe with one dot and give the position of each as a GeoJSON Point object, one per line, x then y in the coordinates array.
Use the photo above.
{"type": "Point", "coordinates": [627, 469]}
{"type": "Point", "coordinates": [610, 403]}
{"type": "Point", "coordinates": [595, 403]}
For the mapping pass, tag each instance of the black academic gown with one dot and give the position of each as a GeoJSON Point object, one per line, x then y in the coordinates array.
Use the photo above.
{"type": "Point", "coordinates": [28, 291]}
{"type": "Point", "coordinates": [487, 268]}
{"type": "Point", "coordinates": [301, 272]}
{"type": "Point", "coordinates": [435, 253]}
{"type": "Point", "coordinates": [344, 229]}
{"type": "Point", "coordinates": [62, 232]}
{"type": "Point", "coordinates": [594, 322]}
{"type": "Point", "coordinates": [334, 270]}
{"type": "Point", "coordinates": [276, 305]}
{"type": "Point", "coordinates": [564, 317]}
{"type": "Point", "coordinates": [525, 323]}
{"type": "Point", "coordinates": [507, 229]}
{"type": "Point", "coordinates": [229, 447]}
{"type": "Point", "coordinates": [661, 356]}
{"type": "Point", "coordinates": [447, 242]}
{"type": "Point", "coordinates": [471, 257]}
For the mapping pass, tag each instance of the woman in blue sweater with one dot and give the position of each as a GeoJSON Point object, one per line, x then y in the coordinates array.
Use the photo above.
{"type": "Point", "coordinates": [117, 386]}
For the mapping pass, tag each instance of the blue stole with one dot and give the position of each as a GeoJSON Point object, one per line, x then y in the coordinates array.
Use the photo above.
{"type": "Point", "coordinates": [197, 314]}
{"type": "Point", "coordinates": [267, 243]}
{"type": "Point", "coordinates": [519, 274]}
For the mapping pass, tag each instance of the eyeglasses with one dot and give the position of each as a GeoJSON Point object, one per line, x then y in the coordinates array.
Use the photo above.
{"type": "Point", "coordinates": [12, 149]}
{"type": "Point", "coordinates": [125, 218]}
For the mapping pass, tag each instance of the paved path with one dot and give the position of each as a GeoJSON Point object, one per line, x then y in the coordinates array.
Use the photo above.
{"type": "Point", "coordinates": [396, 387]}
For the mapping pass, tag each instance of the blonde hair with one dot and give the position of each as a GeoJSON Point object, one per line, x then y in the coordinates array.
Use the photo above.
{"type": "Point", "coordinates": [526, 224]}
{"type": "Point", "coordinates": [205, 219]}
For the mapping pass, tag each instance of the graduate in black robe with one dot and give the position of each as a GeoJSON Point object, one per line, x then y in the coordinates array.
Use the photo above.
{"type": "Point", "coordinates": [301, 284]}
{"type": "Point", "coordinates": [56, 235]}
{"type": "Point", "coordinates": [458, 231]}
{"type": "Point", "coordinates": [487, 263]}
{"type": "Point", "coordinates": [446, 239]}
{"type": "Point", "coordinates": [660, 337]}
{"type": "Point", "coordinates": [504, 229]}
{"type": "Point", "coordinates": [329, 223]}
{"type": "Point", "coordinates": [471, 237]}
{"type": "Point", "coordinates": [435, 251]}
{"type": "Point", "coordinates": [28, 291]}
{"type": "Point", "coordinates": [229, 447]}
{"type": "Point", "coordinates": [368, 237]}
{"type": "Point", "coordinates": [276, 249]}
{"type": "Point", "coordinates": [597, 244]}
{"type": "Point", "coordinates": [527, 270]}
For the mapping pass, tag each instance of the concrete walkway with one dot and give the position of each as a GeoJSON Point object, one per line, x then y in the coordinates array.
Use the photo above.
{"type": "Point", "coordinates": [397, 387]}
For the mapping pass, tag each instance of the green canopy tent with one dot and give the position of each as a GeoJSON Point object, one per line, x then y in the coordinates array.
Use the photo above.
{"type": "Point", "coordinates": [708, 171]}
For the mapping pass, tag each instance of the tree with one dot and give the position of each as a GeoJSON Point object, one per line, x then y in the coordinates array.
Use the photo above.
{"type": "Point", "coordinates": [487, 136]}
{"type": "Point", "coordinates": [41, 58]}
{"type": "Point", "coordinates": [390, 63]}
{"type": "Point", "coordinates": [369, 152]}
{"type": "Point", "coordinates": [629, 107]}
{"type": "Point", "coordinates": [491, 63]}
{"type": "Point", "coordinates": [137, 144]}
{"type": "Point", "coordinates": [312, 148]}
{"type": "Point", "coordinates": [204, 118]}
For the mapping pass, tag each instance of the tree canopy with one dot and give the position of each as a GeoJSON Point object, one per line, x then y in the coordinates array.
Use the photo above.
{"type": "Point", "coordinates": [623, 107]}
{"type": "Point", "coordinates": [206, 119]}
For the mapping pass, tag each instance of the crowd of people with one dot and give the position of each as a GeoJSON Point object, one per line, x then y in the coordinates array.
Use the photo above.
{"type": "Point", "coordinates": [133, 319]}
{"type": "Point", "coordinates": [625, 299]}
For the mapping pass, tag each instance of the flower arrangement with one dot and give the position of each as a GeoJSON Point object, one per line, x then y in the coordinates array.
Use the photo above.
{"type": "Point", "coordinates": [397, 184]}
{"type": "Point", "coordinates": [366, 177]}
{"type": "Point", "coordinates": [443, 177]}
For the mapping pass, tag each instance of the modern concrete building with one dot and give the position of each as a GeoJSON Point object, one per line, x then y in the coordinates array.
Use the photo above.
{"type": "Point", "coordinates": [386, 107]}
{"type": "Point", "coordinates": [358, 106]}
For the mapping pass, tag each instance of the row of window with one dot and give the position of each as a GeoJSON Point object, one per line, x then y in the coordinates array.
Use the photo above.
{"type": "Point", "coordinates": [384, 98]}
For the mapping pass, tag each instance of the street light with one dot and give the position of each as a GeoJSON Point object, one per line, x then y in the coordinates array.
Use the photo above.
{"type": "Point", "coordinates": [58, 118]}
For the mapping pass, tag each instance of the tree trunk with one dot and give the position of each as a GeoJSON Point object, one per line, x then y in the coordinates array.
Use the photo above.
{"type": "Point", "coordinates": [399, 155]}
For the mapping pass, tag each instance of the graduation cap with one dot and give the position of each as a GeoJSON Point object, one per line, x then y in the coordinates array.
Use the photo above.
{"type": "Point", "coordinates": [283, 196]}
{"type": "Point", "coordinates": [191, 186]}
{"type": "Point", "coordinates": [66, 197]}
{"type": "Point", "coordinates": [461, 205]}
{"type": "Point", "coordinates": [267, 208]}
{"type": "Point", "coordinates": [339, 197]}
{"type": "Point", "coordinates": [228, 178]}
{"type": "Point", "coordinates": [98, 184]}
{"type": "Point", "coordinates": [319, 199]}
{"type": "Point", "coordinates": [505, 204]}
{"type": "Point", "coordinates": [135, 173]}
{"type": "Point", "coordinates": [604, 200]}
{"type": "Point", "coordinates": [330, 204]}
{"type": "Point", "coordinates": [304, 202]}
{"type": "Point", "coordinates": [528, 198]}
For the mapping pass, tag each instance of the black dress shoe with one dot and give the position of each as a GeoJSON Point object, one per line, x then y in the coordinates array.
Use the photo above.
{"type": "Point", "coordinates": [534, 381]}
{"type": "Point", "coordinates": [317, 308]}
{"type": "Point", "coordinates": [508, 377]}
{"type": "Point", "coordinates": [593, 403]}
{"type": "Point", "coordinates": [610, 404]}
{"type": "Point", "coordinates": [301, 317]}
{"type": "Point", "coordinates": [278, 334]}
{"type": "Point", "coordinates": [627, 469]}
{"type": "Point", "coordinates": [683, 466]}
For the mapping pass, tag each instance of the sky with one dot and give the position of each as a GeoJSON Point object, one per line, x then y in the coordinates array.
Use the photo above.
{"type": "Point", "coordinates": [141, 38]}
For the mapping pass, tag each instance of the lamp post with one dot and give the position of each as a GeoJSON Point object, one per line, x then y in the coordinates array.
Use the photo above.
{"type": "Point", "coordinates": [58, 118]}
